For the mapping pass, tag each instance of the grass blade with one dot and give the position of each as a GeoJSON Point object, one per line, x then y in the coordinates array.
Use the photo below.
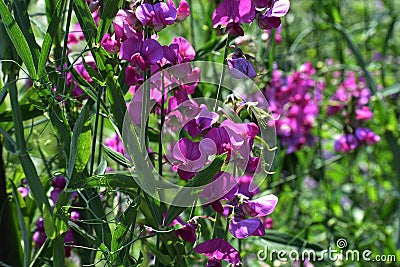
{"type": "Point", "coordinates": [109, 12]}
{"type": "Point", "coordinates": [85, 20]}
{"type": "Point", "coordinates": [18, 39]}
{"type": "Point", "coordinates": [50, 36]}
{"type": "Point", "coordinates": [22, 225]}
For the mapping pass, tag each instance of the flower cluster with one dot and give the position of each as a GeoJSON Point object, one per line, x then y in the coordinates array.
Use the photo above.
{"type": "Point", "coordinates": [39, 235]}
{"type": "Point", "coordinates": [129, 39]}
{"type": "Point", "coordinates": [351, 100]}
{"type": "Point", "coordinates": [247, 218]}
{"type": "Point", "coordinates": [231, 14]}
{"type": "Point", "coordinates": [294, 101]}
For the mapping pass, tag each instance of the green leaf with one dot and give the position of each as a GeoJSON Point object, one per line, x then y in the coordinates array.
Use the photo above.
{"type": "Point", "coordinates": [114, 93]}
{"type": "Point", "coordinates": [22, 225]}
{"type": "Point", "coordinates": [49, 37]}
{"type": "Point", "coordinates": [212, 45]}
{"type": "Point", "coordinates": [163, 258]}
{"type": "Point", "coordinates": [109, 12]}
{"type": "Point", "coordinates": [80, 143]}
{"type": "Point", "coordinates": [204, 177]}
{"type": "Point", "coordinates": [111, 180]}
{"type": "Point", "coordinates": [356, 52]}
{"type": "Point", "coordinates": [28, 112]}
{"type": "Point", "coordinates": [117, 157]}
{"type": "Point", "coordinates": [60, 124]}
{"type": "Point", "coordinates": [85, 19]}
{"type": "Point", "coordinates": [18, 39]}
{"type": "Point", "coordinates": [388, 91]}
{"type": "Point", "coordinates": [58, 252]}
{"type": "Point", "coordinates": [289, 240]}
{"type": "Point", "coordinates": [94, 240]}
{"type": "Point", "coordinates": [49, 226]}
{"type": "Point", "coordinates": [128, 218]}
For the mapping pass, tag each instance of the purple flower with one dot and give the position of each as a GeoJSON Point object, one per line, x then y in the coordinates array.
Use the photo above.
{"type": "Point", "coordinates": [346, 143]}
{"type": "Point", "coordinates": [240, 68]}
{"type": "Point", "coordinates": [190, 156]}
{"type": "Point", "coordinates": [244, 228]}
{"type": "Point", "coordinates": [202, 122]}
{"type": "Point", "coordinates": [158, 15]}
{"type": "Point", "coordinates": [141, 53]}
{"type": "Point", "coordinates": [367, 136]}
{"type": "Point", "coordinates": [39, 237]}
{"type": "Point", "coordinates": [69, 239]}
{"type": "Point", "coordinates": [59, 182]}
{"type": "Point", "coordinates": [217, 250]}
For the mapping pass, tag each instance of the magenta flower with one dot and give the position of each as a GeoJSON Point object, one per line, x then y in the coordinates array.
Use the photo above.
{"type": "Point", "coordinates": [260, 207]}
{"type": "Point", "coordinates": [364, 113]}
{"type": "Point", "coordinates": [183, 11]}
{"type": "Point", "coordinates": [236, 11]}
{"type": "Point", "coordinates": [188, 230]}
{"type": "Point", "coordinates": [126, 25]}
{"type": "Point", "coordinates": [109, 44]}
{"type": "Point", "coordinates": [141, 53]}
{"type": "Point", "coordinates": [271, 18]}
{"type": "Point", "coordinates": [346, 143]}
{"type": "Point", "coordinates": [179, 51]}
{"type": "Point", "coordinates": [218, 250]}
{"type": "Point", "coordinates": [115, 143]}
{"type": "Point", "coordinates": [158, 15]}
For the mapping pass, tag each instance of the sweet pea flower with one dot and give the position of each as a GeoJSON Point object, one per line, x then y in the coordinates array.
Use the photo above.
{"type": "Point", "coordinates": [271, 18]}
{"type": "Point", "coordinates": [188, 230]}
{"type": "Point", "coordinates": [217, 250]}
{"type": "Point", "coordinates": [367, 136]}
{"type": "Point", "coordinates": [260, 207]}
{"type": "Point", "coordinates": [236, 11]}
{"type": "Point", "coordinates": [183, 11]}
{"type": "Point", "coordinates": [141, 53]}
{"type": "Point", "coordinates": [240, 228]}
{"type": "Point", "coordinates": [364, 113]}
{"type": "Point", "coordinates": [190, 156]}
{"type": "Point", "coordinates": [126, 25]}
{"type": "Point", "coordinates": [109, 44]}
{"type": "Point", "coordinates": [158, 15]}
{"type": "Point", "coordinates": [239, 66]}
{"type": "Point", "coordinates": [346, 143]}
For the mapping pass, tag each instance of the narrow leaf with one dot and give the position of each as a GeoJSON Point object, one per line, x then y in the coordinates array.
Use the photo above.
{"type": "Point", "coordinates": [22, 225]}
{"type": "Point", "coordinates": [18, 39]}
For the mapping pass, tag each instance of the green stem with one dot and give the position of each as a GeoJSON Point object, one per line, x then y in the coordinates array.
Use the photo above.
{"type": "Point", "coordinates": [221, 79]}
{"type": "Point", "coordinates": [96, 123]}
